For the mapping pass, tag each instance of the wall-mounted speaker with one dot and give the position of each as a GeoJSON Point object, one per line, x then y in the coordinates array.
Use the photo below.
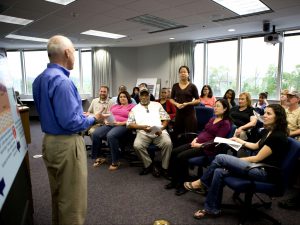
{"type": "Point", "coordinates": [266, 26]}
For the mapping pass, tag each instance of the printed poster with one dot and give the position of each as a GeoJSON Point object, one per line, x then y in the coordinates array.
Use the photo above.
{"type": "Point", "coordinates": [13, 145]}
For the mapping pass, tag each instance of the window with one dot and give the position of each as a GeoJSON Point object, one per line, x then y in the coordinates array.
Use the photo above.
{"type": "Point", "coordinates": [291, 63]}
{"type": "Point", "coordinates": [35, 63]}
{"type": "Point", "coordinates": [15, 69]}
{"type": "Point", "coordinates": [259, 67]}
{"type": "Point", "coordinates": [199, 66]}
{"type": "Point", "coordinates": [86, 64]}
{"type": "Point", "coordinates": [222, 66]}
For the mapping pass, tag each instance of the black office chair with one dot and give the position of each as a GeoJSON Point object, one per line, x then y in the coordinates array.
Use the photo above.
{"type": "Point", "coordinates": [272, 189]}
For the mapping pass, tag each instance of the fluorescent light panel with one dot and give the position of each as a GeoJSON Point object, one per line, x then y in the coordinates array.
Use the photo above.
{"type": "Point", "coordinates": [14, 20]}
{"type": "Point", "coordinates": [103, 34]}
{"type": "Point", "coordinates": [61, 2]}
{"type": "Point", "coordinates": [243, 7]}
{"type": "Point", "coordinates": [26, 38]}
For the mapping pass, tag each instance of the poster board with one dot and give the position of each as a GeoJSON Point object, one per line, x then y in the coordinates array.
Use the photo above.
{"type": "Point", "coordinates": [13, 145]}
{"type": "Point", "coordinates": [153, 84]}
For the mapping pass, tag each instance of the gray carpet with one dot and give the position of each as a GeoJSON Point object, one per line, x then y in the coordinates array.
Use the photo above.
{"type": "Point", "coordinates": [124, 197]}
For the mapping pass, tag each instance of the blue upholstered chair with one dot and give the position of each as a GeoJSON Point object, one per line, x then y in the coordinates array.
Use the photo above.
{"type": "Point", "coordinates": [276, 189]}
{"type": "Point", "coordinates": [203, 115]}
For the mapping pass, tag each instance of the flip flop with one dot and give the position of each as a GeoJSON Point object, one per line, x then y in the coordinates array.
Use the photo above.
{"type": "Point", "coordinates": [99, 162]}
{"type": "Point", "coordinates": [202, 213]}
{"type": "Point", "coordinates": [114, 166]}
{"type": "Point", "coordinates": [201, 190]}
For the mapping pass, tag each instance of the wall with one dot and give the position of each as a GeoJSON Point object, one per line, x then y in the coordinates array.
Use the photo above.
{"type": "Point", "coordinates": [128, 64]}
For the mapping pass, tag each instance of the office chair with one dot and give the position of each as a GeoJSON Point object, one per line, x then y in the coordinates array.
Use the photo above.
{"type": "Point", "coordinates": [203, 114]}
{"type": "Point", "coordinates": [251, 187]}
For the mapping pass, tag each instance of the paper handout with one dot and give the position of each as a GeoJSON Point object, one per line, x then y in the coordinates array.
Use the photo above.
{"type": "Point", "coordinates": [258, 116]}
{"type": "Point", "coordinates": [154, 129]}
{"type": "Point", "coordinates": [233, 144]}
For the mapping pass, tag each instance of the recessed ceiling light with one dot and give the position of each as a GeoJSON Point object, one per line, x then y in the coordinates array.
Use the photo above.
{"type": "Point", "coordinates": [14, 20]}
{"type": "Point", "coordinates": [231, 30]}
{"type": "Point", "coordinates": [61, 2]}
{"type": "Point", "coordinates": [26, 38]}
{"type": "Point", "coordinates": [171, 38]}
{"type": "Point", "coordinates": [244, 7]}
{"type": "Point", "coordinates": [103, 34]}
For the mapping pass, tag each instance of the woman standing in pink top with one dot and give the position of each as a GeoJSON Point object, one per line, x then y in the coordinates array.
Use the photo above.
{"type": "Point", "coordinates": [113, 130]}
{"type": "Point", "coordinates": [206, 97]}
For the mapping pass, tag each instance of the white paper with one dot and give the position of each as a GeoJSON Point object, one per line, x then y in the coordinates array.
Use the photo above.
{"type": "Point", "coordinates": [155, 129]}
{"type": "Point", "coordinates": [109, 118]}
{"type": "Point", "coordinates": [258, 116]}
{"type": "Point", "coordinates": [233, 144]}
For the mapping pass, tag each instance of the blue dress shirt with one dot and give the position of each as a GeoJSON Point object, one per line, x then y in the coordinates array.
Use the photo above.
{"type": "Point", "coordinates": [58, 102]}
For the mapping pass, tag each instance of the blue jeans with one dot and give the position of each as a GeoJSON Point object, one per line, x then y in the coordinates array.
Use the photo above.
{"type": "Point", "coordinates": [113, 137]}
{"type": "Point", "coordinates": [213, 178]}
{"type": "Point", "coordinates": [98, 135]}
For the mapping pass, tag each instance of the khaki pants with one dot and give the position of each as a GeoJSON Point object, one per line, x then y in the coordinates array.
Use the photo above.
{"type": "Point", "coordinates": [65, 159]}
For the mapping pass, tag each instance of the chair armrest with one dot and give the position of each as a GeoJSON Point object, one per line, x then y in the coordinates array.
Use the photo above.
{"type": "Point", "coordinates": [263, 165]}
{"type": "Point", "coordinates": [187, 134]}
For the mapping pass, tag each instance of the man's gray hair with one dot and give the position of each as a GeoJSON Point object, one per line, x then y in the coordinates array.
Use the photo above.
{"type": "Point", "coordinates": [57, 44]}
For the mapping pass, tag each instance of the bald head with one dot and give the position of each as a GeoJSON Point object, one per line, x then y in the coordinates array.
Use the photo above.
{"type": "Point", "coordinates": [61, 51]}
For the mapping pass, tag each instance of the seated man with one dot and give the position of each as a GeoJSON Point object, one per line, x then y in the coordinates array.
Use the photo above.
{"type": "Point", "coordinates": [150, 120]}
{"type": "Point", "coordinates": [102, 105]}
{"type": "Point", "coordinates": [293, 114]}
{"type": "Point", "coordinates": [122, 88]}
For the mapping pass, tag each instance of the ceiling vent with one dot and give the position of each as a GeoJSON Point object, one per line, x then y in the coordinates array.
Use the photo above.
{"type": "Point", "coordinates": [156, 22]}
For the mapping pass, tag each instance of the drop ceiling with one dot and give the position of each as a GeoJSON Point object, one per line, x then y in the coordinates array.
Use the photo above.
{"type": "Point", "coordinates": [112, 16]}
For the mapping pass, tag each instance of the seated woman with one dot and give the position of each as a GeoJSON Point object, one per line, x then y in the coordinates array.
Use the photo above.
{"type": "Point", "coordinates": [217, 126]}
{"type": "Point", "coordinates": [230, 97]}
{"type": "Point", "coordinates": [112, 130]}
{"type": "Point", "coordinates": [272, 150]}
{"type": "Point", "coordinates": [262, 103]}
{"type": "Point", "coordinates": [206, 97]}
{"type": "Point", "coordinates": [167, 105]}
{"type": "Point", "coordinates": [242, 116]}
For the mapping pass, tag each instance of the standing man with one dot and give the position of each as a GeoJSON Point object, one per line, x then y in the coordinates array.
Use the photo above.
{"type": "Point", "coordinates": [60, 109]}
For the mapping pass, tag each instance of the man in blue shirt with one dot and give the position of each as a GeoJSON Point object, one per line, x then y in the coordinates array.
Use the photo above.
{"type": "Point", "coordinates": [62, 119]}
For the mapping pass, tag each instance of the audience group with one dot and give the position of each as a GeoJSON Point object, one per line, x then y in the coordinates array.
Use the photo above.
{"type": "Point", "coordinates": [261, 128]}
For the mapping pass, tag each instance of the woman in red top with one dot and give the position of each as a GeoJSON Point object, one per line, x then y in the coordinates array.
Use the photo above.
{"type": "Point", "coordinates": [167, 105]}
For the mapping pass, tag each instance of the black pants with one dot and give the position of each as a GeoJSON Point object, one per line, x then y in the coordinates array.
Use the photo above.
{"type": "Point", "coordinates": [179, 166]}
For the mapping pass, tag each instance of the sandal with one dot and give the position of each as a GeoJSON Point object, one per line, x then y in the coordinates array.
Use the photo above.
{"type": "Point", "coordinates": [114, 166]}
{"type": "Point", "coordinates": [201, 190]}
{"type": "Point", "coordinates": [99, 162]}
{"type": "Point", "coordinates": [201, 213]}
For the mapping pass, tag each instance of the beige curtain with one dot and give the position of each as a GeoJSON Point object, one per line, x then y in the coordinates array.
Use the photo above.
{"type": "Point", "coordinates": [181, 54]}
{"type": "Point", "coordinates": [102, 70]}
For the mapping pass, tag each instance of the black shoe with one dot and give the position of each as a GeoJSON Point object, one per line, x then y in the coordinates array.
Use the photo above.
{"type": "Point", "coordinates": [165, 174]}
{"type": "Point", "coordinates": [155, 172]}
{"type": "Point", "coordinates": [180, 191]}
{"type": "Point", "coordinates": [170, 185]}
{"type": "Point", "coordinates": [145, 171]}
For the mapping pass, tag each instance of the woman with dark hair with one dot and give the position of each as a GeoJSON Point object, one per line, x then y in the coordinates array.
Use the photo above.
{"type": "Point", "coordinates": [206, 97]}
{"type": "Point", "coordinates": [272, 150]}
{"type": "Point", "coordinates": [184, 96]}
{"type": "Point", "coordinates": [113, 130]}
{"type": "Point", "coordinates": [135, 92]}
{"type": "Point", "coordinates": [219, 126]}
{"type": "Point", "coordinates": [262, 103]}
{"type": "Point", "coordinates": [230, 97]}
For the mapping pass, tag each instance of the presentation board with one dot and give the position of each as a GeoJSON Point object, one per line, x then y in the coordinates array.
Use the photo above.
{"type": "Point", "coordinates": [153, 85]}
{"type": "Point", "coordinates": [13, 145]}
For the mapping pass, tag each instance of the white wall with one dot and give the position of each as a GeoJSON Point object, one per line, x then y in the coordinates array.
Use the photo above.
{"type": "Point", "coordinates": [128, 64]}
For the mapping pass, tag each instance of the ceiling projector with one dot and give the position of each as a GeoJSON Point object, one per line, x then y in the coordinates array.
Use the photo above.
{"type": "Point", "coordinates": [273, 38]}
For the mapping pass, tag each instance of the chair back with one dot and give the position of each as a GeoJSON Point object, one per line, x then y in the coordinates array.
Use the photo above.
{"type": "Point", "coordinates": [203, 114]}
{"type": "Point", "coordinates": [231, 132]}
{"type": "Point", "coordinates": [290, 160]}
